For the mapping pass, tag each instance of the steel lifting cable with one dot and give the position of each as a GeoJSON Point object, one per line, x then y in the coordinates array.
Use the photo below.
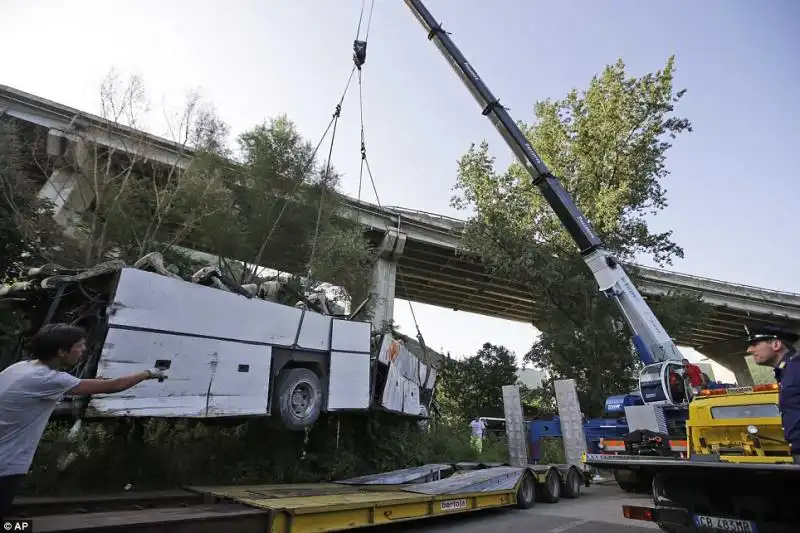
{"type": "Point", "coordinates": [323, 184]}
{"type": "Point", "coordinates": [359, 58]}
{"type": "Point", "coordinates": [311, 159]}
{"type": "Point", "coordinates": [332, 124]}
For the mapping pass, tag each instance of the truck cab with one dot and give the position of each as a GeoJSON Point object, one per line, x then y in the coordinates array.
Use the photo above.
{"type": "Point", "coordinates": [738, 474]}
{"type": "Point", "coordinates": [740, 424]}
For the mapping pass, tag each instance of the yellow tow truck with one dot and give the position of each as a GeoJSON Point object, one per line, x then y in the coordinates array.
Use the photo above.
{"type": "Point", "coordinates": [738, 474]}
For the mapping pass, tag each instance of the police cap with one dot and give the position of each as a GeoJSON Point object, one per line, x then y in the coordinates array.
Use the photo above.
{"type": "Point", "coordinates": [766, 333]}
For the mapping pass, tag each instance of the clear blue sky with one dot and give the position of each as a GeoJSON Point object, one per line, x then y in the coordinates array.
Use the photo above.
{"type": "Point", "coordinates": [734, 183]}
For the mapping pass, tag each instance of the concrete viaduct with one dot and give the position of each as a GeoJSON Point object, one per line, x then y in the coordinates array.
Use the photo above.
{"type": "Point", "coordinates": [421, 247]}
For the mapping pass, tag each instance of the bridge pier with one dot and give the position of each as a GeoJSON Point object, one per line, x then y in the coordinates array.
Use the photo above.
{"type": "Point", "coordinates": [384, 277]}
{"type": "Point", "coordinates": [69, 187]}
{"type": "Point", "coordinates": [736, 363]}
{"type": "Point", "coordinates": [69, 194]}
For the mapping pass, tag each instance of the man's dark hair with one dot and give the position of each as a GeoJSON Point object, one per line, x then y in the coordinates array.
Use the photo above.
{"type": "Point", "coordinates": [51, 338]}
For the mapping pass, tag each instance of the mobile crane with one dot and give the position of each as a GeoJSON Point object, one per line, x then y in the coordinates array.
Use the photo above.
{"type": "Point", "coordinates": [654, 346]}
{"type": "Point", "coordinates": [730, 482]}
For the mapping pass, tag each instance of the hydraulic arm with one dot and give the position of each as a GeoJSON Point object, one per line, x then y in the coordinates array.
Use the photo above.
{"type": "Point", "coordinates": [649, 337]}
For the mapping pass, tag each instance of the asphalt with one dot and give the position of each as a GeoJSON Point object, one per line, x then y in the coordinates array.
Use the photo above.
{"type": "Point", "coordinates": [599, 510]}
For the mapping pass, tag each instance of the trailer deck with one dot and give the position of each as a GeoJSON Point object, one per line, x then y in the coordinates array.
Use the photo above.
{"type": "Point", "coordinates": [402, 495]}
{"type": "Point", "coordinates": [397, 496]}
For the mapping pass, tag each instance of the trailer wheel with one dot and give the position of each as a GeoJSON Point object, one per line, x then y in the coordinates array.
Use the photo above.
{"type": "Point", "coordinates": [572, 484]}
{"type": "Point", "coordinates": [299, 398]}
{"type": "Point", "coordinates": [551, 488]}
{"type": "Point", "coordinates": [526, 493]}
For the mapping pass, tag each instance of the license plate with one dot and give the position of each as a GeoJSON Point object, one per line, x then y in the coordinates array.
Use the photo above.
{"type": "Point", "coordinates": [714, 523]}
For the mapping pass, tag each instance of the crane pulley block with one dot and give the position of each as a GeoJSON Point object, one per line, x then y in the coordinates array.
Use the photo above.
{"type": "Point", "coordinates": [359, 52]}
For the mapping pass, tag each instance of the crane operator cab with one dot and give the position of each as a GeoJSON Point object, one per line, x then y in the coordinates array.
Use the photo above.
{"type": "Point", "coordinates": [664, 383]}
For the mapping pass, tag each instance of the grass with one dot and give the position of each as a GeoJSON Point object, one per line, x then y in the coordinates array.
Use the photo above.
{"type": "Point", "coordinates": [163, 454]}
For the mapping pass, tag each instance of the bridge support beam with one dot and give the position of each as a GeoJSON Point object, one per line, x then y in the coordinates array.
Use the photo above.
{"type": "Point", "coordinates": [69, 187]}
{"type": "Point", "coordinates": [384, 278]}
{"type": "Point", "coordinates": [69, 193]}
{"type": "Point", "coordinates": [736, 363]}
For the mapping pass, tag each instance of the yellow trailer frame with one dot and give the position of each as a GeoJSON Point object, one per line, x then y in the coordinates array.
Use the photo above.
{"type": "Point", "coordinates": [398, 496]}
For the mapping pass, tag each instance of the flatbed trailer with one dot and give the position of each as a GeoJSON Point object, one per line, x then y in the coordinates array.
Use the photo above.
{"type": "Point", "coordinates": [398, 496]}
{"type": "Point", "coordinates": [743, 494]}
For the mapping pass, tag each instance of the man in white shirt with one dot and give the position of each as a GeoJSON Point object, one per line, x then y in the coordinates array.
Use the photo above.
{"type": "Point", "coordinates": [30, 391]}
{"type": "Point", "coordinates": [477, 426]}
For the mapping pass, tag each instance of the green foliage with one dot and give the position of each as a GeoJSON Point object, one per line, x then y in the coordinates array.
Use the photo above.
{"type": "Point", "coordinates": [552, 450]}
{"type": "Point", "coordinates": [539, 402]}
{"type": "Point", "coordinates": [273, 203]}
{"type": "Point", "coordinates": [761, 374]}
{"type": "Point", "coordinates": [160, 454]}
{"type": "Point", "coordinates": [473, 387]}
{"type": "Point", "coordinates": [608, 145]}
{"type": "Point", "coordinates": [26, 229]}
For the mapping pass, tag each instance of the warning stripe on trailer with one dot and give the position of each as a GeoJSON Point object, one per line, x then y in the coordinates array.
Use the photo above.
{"type": "Point", "coordinates": [677, 445]}
{"type": "Point", "coordinates": [619, 446]}
{"type": "Point", "coordinates": [613, 445]}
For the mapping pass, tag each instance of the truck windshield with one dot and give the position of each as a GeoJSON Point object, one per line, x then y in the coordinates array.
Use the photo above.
{"type": "Point", "coordinates": [768, 410]}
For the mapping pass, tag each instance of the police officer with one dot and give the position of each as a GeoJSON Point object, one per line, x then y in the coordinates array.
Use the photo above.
{"type": "Point", "coordinates": [774, 346]}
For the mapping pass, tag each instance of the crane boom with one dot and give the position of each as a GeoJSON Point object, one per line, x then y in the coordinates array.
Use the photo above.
{"type": "Point", "coordinates": [650, 338]}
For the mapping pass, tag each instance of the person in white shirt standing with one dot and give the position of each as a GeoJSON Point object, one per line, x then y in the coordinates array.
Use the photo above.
{"type": "Point", "coordinates": [477, 426]}
{"type": "Point", "coordinates": [30, 391]}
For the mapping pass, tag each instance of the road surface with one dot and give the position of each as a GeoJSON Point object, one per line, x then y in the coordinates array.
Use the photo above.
{"type": "Point", "coordinates": [599, 510]}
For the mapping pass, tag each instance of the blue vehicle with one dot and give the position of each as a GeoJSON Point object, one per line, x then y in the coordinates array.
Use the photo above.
{"type": "Point", "coordinates": [613, 425]}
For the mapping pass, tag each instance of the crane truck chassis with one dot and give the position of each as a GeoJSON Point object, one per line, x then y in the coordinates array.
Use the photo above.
{"type": "Point", "coordinates": [738, 475]}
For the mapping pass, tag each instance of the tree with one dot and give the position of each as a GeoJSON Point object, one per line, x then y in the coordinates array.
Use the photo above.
{"type": "Point", "coordinates": [119, 193]}
{"type": "Point", "coordinates": [287, 214]}
{"type": "Point", "coordinates": [26, 230]}
{"type": "Point", "coordinates": [608, 145]}
{"type": "Point", "coordinates": [474, 387]}
{"type": "Point", "coordinates": [110, 188]}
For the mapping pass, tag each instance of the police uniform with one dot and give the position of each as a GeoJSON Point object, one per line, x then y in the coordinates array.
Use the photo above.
{"type": "Point", "coordinates": [787, 374]}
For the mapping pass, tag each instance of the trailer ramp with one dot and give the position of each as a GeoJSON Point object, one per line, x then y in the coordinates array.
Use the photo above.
{"type": "Point", "coordinates": [377, 499]}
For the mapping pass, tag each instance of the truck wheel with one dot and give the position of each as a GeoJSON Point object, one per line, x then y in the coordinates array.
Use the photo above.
{"type": "Point", "coordinates": [551, 488]}
{"type": "Point", "coordinates": [572, 484]}
{"type": "Point", "coordinates": [526, 493]}
{"type": "Point", "coordinates": [298, 397]}
{"type": "Point", "coordinates": [633, 481]}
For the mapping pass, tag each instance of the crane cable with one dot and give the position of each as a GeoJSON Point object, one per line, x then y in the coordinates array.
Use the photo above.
{"type": "Point", "coordinates": [359, 58]}
{"type": "Point", "coordinates": [331, 124]}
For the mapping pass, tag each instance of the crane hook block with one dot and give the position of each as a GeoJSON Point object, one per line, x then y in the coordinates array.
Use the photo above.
{"type": "Point", "coordinates": [359, 52]}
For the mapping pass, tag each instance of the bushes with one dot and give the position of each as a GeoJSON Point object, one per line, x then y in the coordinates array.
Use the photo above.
{"type": "Point", "coordinates": [161, 454]}
{"type": "Point", "coordinates": [552, 451]}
